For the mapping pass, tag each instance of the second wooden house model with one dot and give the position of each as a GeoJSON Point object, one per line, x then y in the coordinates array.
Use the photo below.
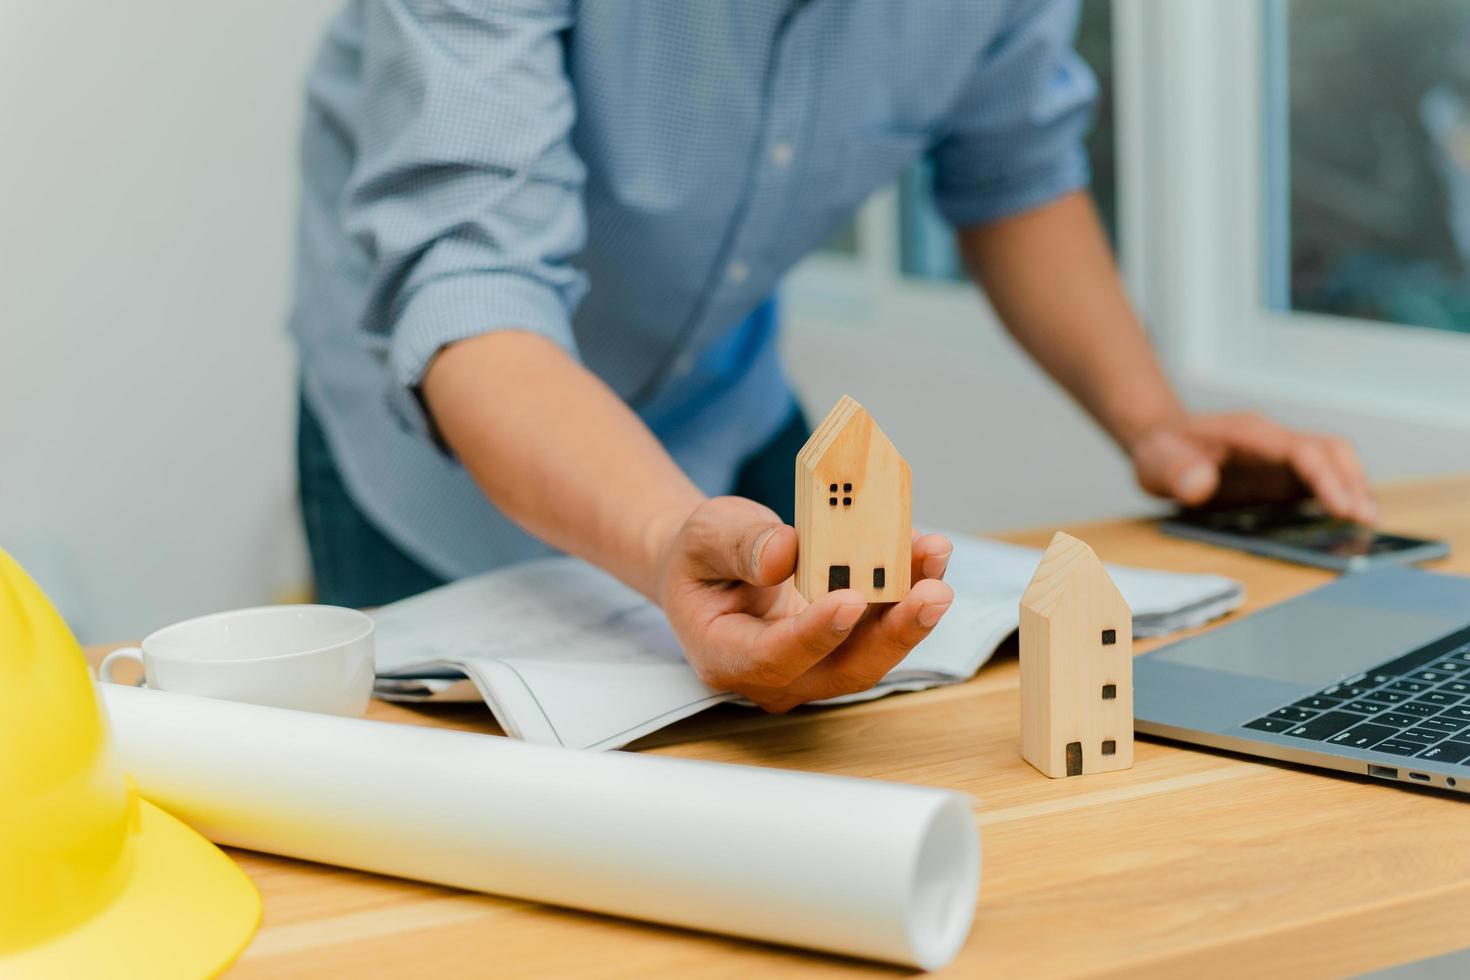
{"type": "Point", "coordinates": [1076, 665]}
{"type": "Point", "coordinates": [853, 520]}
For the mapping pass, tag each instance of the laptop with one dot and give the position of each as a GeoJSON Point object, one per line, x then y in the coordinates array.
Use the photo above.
{"type": "Point", "coordinates": [1367, 675]}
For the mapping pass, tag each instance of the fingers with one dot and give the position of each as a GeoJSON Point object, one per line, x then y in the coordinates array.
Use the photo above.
{"type": "Point", "coordinates": [746, 653]}
{"type": "Point", "coordinates": [773, 556]}
{"type": "Point", "coordinates": [1246, 431]}
{"type": "Point", "coordinates": [930, 556]}
{"type": "Point", "coordinates": [734, 539]}
{"type": "Point", "coordinates": [881, 642]}
{"type": "Point", "coordinates": [1326, 464]}
{"type": "Point", "coordinates": [828, 649]}
{"type": "Point", "coordinates": [1350, 468]}
{"type": "Point", "coordinates": [1310, 460]}
{"type": "Point", "coordinates": [1253, 448]}
{"type": "Point", "coordinates": [1169, 464]}
{"type": "Point", "coordinates": [790, 646]}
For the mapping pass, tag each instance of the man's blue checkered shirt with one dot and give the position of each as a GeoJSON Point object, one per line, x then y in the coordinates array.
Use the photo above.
{"type": "Point", "coordinates": [629, 178]}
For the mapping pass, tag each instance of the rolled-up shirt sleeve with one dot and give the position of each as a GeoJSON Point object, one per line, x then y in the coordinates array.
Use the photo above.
{"type": "Point", "coordinates": [466, 192]}
{"type": "Point", "coordinates": [1015, 138]}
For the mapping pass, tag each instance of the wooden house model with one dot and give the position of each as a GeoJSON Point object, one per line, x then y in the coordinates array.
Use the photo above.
{"type": "Point", "coordinates": [1076, 665]}
{"type": "Point", "coordinates": [853, 520]}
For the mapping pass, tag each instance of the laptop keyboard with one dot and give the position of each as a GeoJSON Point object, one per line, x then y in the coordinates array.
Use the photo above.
{"type": "Point", "coordinates": [1416, 705]}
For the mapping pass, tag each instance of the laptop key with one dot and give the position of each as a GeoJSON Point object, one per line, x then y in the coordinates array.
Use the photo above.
{"type": "Point", "coordinates": [1364, 735]}
{"type": "Point", "coordinates": [1412, 687]}
{"type": "Point", "coordinates": [1459, 713]}
{"type": "Point", "coordinates": [1387, 695]}
{"type": "Point", "coordinates": [1324, 725]}
{"type": "Point", "coordinates": [1455, 687]}
{"type": "Point", "coordinates": [1432, 676]}
{"type": "Point", "coordinates": [1395, 747]}
{"type": "Point", "coordinates": [1418, 708]}
{"type": "Point", "coordinates": [1451, 666]}
{"type": "Point", "coordinates": [1447, 752]}
{"type": "Point", "coordinates": [1317, 703]}
{"type": "Point", "coordinates": [1439, 697]}
{"type": "Point", "coordinates": [1268, 724]}
{"type": "Point", "coordinates": [1427, 736]}
{"type": "Point", "coordinates": [1365, 707]}
{"type": "Point", "coordinates": [1344, 691]}
{"type": "Point", "coordinates": [1442, 724]}
{"type": "Point", "coordinates": [1292, 714]}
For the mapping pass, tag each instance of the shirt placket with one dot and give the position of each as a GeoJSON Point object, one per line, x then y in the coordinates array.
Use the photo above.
{"type": "Point", "coordinates": [776, 166]}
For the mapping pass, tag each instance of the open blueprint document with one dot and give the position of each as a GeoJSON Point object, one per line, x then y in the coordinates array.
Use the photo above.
{"type": "Point", "coordinates": [564, 654]}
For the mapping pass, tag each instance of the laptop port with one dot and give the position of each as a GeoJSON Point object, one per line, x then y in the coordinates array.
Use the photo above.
{"type": "Point", "coordinates": [1419, 776]}
{"type": "Point", "coordinates": [1383, 772]}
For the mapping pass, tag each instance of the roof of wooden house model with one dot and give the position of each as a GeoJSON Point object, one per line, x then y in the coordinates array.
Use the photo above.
{"type": "Point", "coordinates": [846, 411]}
{"type": "Point", "coordinates": [1065, 559]}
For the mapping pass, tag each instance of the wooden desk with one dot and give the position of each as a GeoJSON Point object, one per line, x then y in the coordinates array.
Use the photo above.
{"type": "Point", "coordinates": [1189, 864]}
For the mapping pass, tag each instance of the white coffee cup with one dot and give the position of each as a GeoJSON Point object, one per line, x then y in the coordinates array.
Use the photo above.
{"type": "Point", "coordinates": [311, 658]}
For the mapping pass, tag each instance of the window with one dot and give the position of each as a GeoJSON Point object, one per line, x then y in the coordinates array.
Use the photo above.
{"type": "Point", "coordinates": [879, 578]}
{"type": "Point", "coordinates": [1290, 215]}
{"type": "Point", "coordinates": [1109, 637]}
{"type": "Point", "coordinates": [1368, 109]}
{"type": "Point", "coordinates": [927, 249]}
{"type": "Point", "coordinates": [838, 577]}
{"type": "Point", "coordinates": [846, 500]}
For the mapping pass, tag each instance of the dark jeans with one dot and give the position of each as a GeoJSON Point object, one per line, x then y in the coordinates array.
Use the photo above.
{"type": "Point", "coordinates": [356, 565]}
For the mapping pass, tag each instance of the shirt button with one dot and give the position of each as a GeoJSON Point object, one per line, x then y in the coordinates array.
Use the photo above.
{"type": "Point", "coordinates": [738, 272]}
{"type": "Point", "coordinates": [781, 155]}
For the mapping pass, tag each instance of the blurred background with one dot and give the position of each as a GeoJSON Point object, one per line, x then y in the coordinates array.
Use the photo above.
{"type": "Point", "coordinates": [1287, 182]}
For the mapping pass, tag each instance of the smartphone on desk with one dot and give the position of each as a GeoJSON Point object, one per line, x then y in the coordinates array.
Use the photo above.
{"type": "Point", "coordinates": [1304, 534]}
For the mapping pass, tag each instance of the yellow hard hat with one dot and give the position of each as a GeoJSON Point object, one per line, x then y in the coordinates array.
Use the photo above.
{"type": "Point", "coordinates": [94, 880]}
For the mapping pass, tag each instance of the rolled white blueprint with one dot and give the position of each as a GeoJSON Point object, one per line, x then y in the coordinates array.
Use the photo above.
{"type": "Point", "coordinates": [864, 868]}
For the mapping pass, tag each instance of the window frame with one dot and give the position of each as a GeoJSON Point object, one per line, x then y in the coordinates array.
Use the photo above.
{"type": "Point", "coordinates": [1207, 275]}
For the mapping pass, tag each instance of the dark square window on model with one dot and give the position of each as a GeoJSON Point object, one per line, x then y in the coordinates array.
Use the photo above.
{"type": "Point", "coordinates": [838, 577]}
{"type": "Point", "coordinates": [1109, 637]}
{"type": "Point", "coordinates": [1109, 692]}
{"type": "Point", "coordinates": [1109, 747]}
{"type": "Point", "coordinates": [878, 578]}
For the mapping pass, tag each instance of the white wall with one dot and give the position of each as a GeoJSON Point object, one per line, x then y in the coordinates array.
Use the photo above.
{"type": "Point", "coordinates": [147, 186]}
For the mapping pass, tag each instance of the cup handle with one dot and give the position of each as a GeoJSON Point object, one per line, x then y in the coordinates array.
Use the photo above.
{"type": "Point", "coordinates": [104, 669]}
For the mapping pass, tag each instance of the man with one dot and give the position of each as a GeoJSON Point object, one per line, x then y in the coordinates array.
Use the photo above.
{"type": "Point", "coordinates": [538, 242]}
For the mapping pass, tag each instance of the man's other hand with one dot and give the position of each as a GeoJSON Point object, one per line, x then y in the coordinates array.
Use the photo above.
{"type": "Point", "coordinates": [1243, 458]}
{"type": "Point", "coordinates": [726, 585]}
